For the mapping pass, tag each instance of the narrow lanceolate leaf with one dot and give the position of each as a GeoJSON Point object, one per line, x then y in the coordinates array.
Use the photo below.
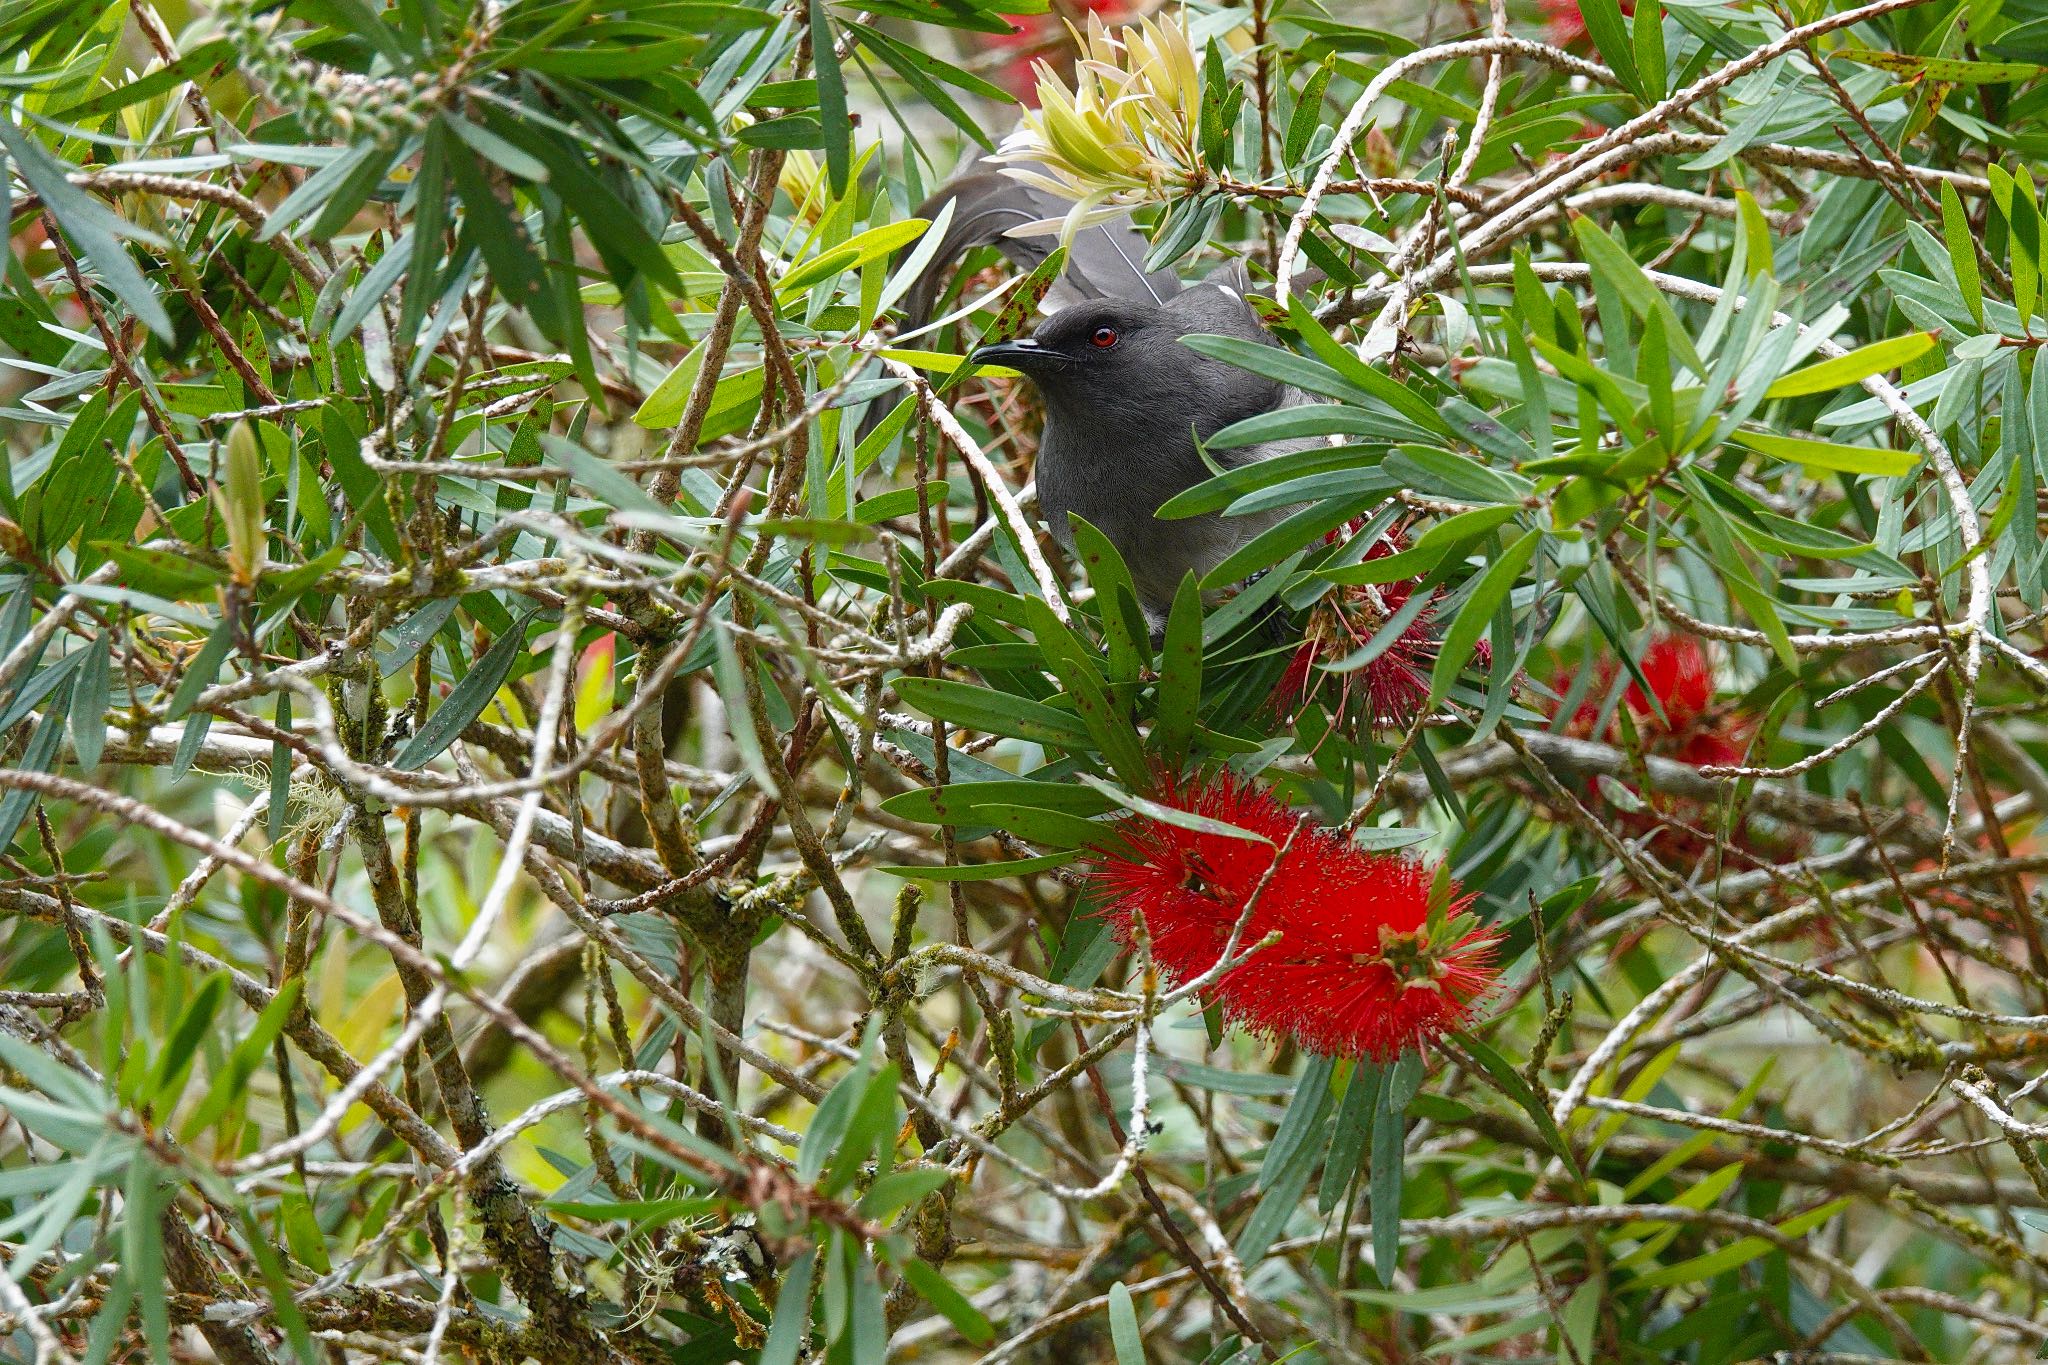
{"type": "Point", "coordinates": [1855, 367]}
{"type": "Point", "coordinates": [1389, 1126]}
{"type": "Point", "coordinates": [1827, 454]}
{"type": "Point", "coordinates": [1308, 113]}
{"type": "Point", "coordinates": [791, 1325]}
{"type": "Point", "coordinates": [467, 701]}
{"type": "Point", "coordinates": [201, 671]}
{"type": "Point", "coordinates": [1961, 238]}
{"type": "Point", "coordinates": [1169, 815]}
{"type": "Point", "coordinates": [1108, 724]}
{"type": "Point", "coordinates": [1299, 1135]}
{"type": "Point", "coordinates": [1180, 678]}
{"type": "Point", "coordinates": [1349, 1136]}
{"type": "Point", "coordinates": [89, 700]}
{"type": "Point", "coordinates": [932, 1284]}
{"type": "Point", "coordinates": [1610, 35]}
{"type": "Point", "coordinates": [1950, 70]}
{"type": "Point", "coordinates": [1124, 1336]}
{"type": "Point", "coordinates": [995, 713]}
{"type": "Point", "coordinates": [96, 230]}
{"type": "Point", "coordinates": [1739, 1252]}
{"type": "Point", "coordinates": [832, 111]}
{"type": "Point", "coordinates": [852, 254]}
{"type": "Point", "coordinates": [1477, 613]}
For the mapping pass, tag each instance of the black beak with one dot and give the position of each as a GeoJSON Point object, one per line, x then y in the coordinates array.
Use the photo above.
{"type": "Point", "coordinates": [1024, 354]}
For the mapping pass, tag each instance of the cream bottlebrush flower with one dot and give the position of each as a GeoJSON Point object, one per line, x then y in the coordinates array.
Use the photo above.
{"type": "Point", "coordinates": [1128, 133]}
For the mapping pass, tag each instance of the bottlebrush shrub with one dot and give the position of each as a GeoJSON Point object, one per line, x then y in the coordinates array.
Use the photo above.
{"type": "Point", "coordinates": [1377, 953]}
{"type": "Point", "coordinates": [546, 748]}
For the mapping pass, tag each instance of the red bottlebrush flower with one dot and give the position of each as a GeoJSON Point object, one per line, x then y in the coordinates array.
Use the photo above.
{"type": "Point", "coordinates": [1031, 37]}
{"type": "Point", "coordinates": [1395, 683]}
{"type": "Point", "coordinates": [1376, 952]}
{"type": "Point", "coordinates": [1565, 25]}
{"type": "Point", "coordinates": [1691, 729]}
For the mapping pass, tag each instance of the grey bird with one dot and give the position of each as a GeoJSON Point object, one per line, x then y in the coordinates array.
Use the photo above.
{"type": "Point", "coordinates": [1125, 402]}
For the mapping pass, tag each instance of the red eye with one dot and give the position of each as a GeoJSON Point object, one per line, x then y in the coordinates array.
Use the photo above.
{"type": "Point", "coordinates": [1104, 337]}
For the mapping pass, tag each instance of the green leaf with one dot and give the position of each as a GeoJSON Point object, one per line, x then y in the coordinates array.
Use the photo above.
{"type": "Point", "coordinates": [1298, 1138]}
{"type": "Point", "coordinates": [852, 254]}
{"type": "Point", "coordinates": [923, 72]}
{"type": "Point", "coordinates": [792, 1322]}
{"type": "Point", "coordinates": [96, 229]}
{"type": "Point", "coordinates": [1962, 251]}
{"type": "Point", "coordinates": [230, 1085]}
{"type": "Point", "coordinates": [1349, 1135]}
{"type": "Point", "coordinates": [1946, 70]}
{"type": "Point", "coordinates": [1448, 537]}
{"type": "Point", "coordinates": [1741, 584]}
{"type": "Point", "coordinates": [1014, 317]}
{"type": "Point", "coordinates": [142, 1245]}
{"type": "Point", "coordinates": [1756, 235]}
{"type": "Point", "coordinates": [1649, 51]}
{"type": "Point", "coordinates": [1388, 1130]}
{"type": "Point", "coordinates": [280, 772]}
{"type": "Point", "coordinates": [203, 668]}
{"type": "Point", "coordinates": [1124, 1337]}
{"type": "Point", "coordinates": [270, 1265]}
{"type": "Point", "coordinates": [1277, 363]}
{"type": "Point", "coordinates": [995, 713]}
{"type": "Point", "coordinates": [467, 700]}
{"type": "Point", "coordinates": [665, 402]}
{"type": "Point", "coordinates": [1124, 631]}
{"type": "Point", "coordinates": [302, 1231]}
{"type": "Point", "coordinates": [834, 1117]}
{"type": "Point", "coordinates": [89, 701]}
{"type": "Point", "coordinates": [1232, 486]}
{"type": "Point", "coordinates": [163, 573]}
{"type": "Point", "coordinates": [174, 1063]}
{"type": "Point", "coordinates": [1109, 725]}
{"type": "Point", "coordinates": [832, 111]}
{"type": "Point", "coordinates": [1308, 113]}
{"type": "Point", "coordinates": [1180, 678]}
{"type": "Point", "coordinates": [1739, 1252]}
{"type": "Point", "coordinates": [967, 803]}
{"type": "Point", "coordinates": [951, 1303]}
{"type": "Point", "coordinates": [1276, 542]}
{"type": "Point", "coordinates": [1611, 37]}
{"type": "Point", "coordinates": [1170, 815]}
{"type": "Point", "coordinates": [1855, 367]}
{"type": "Point", "coordinates": [1517, 1089]}
{"type": "Point", "coordinates": [869, 1132]}
{"type": "Point", "coordinates": [1827, 454]}
{"type": "Point", "coordinates": [898, 1190]}
{"type": "Point", "coordinates": [1612, 264]}
{"type": "Point", "coordinates": [981, 872]}
{"type": "Point", "coordinates": [1476, 613]}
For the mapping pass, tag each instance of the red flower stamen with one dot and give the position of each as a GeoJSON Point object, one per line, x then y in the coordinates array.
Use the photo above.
{"type": "Point", "coordinates": [1690, 729]}
{"type": "Point", "coordinates": [1376, 953]}
{"type": "Point", "coordinates": [1389, 689]}
{"type": "Point", "coordinates": [1565, 24]}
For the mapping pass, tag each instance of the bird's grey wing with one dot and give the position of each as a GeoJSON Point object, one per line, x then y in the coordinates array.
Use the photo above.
{"type": "Point", "coordinates": [1105, 261]}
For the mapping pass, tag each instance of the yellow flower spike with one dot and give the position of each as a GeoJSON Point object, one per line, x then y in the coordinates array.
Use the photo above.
{"type": "Point", "coordinates": [1127, 128]}
{"type": "Point", "coordinates": [1100, 45]}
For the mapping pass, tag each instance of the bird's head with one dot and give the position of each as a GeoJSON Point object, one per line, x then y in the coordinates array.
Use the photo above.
{"type": "Point", "coordinates": [1116, 356]}
{"type": "Point", "coordinates": [1097, 348]}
